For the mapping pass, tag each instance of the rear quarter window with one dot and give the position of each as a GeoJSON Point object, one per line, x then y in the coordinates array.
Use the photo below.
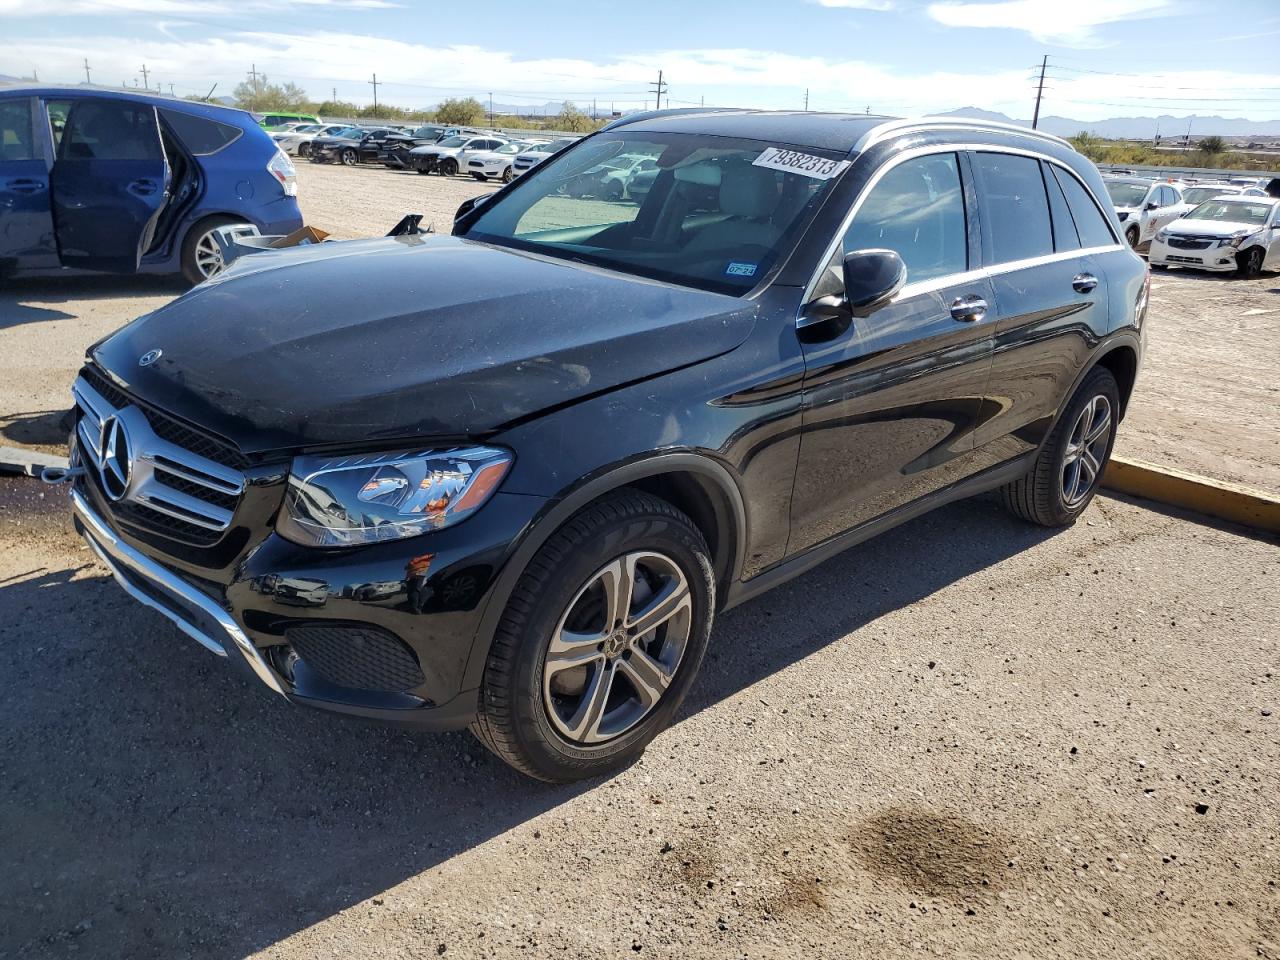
{"type": "Point", "coordinates": [1092, 225]}
{"type": "Point", "coordinates": [200, 135]}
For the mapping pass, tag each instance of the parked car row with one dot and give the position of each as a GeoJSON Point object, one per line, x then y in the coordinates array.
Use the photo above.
{"type": "Point", "coordinates": [1227, 225]}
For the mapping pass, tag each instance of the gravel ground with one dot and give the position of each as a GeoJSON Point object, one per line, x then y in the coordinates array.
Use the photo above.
{"type": "Point", "coordinates": [969, 738]}
{"type": "Point", "coordinates": [1206, 400]}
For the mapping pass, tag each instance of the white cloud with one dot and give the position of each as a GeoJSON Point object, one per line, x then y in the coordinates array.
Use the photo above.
{"type": "Point", "coordinates": [856, 4]}
{"type": "Point", "coordinates": [90, 8]}
{"type": "Point", "coordinates": [1050, 21]}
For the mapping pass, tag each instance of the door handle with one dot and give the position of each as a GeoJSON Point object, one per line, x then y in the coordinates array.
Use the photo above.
{"type": "Point", "coordinates": [968, 309]}
{"type": "Point", "coordinates": [26, 185]}
{"type": "Point", "coordinates": [143, 188]}
{"type": "Point", "coordinates": [1084, 282]}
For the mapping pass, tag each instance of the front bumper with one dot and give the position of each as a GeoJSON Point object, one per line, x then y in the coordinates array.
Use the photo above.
{"type": "Point", "coordinates": [1217, 259]}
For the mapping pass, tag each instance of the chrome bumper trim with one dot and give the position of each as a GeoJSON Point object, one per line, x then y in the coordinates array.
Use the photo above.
{"type": "Point", "coordinates": [116, 554]}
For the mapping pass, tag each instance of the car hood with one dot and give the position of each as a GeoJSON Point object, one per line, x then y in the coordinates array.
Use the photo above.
{"type": "Point", "coordinates": [1210, 228]}
{"type": "Point", "coordinates": [407, 337]}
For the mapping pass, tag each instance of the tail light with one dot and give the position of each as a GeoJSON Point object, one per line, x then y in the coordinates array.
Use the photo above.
{"type": "Point", "coordinates": [281, 167]}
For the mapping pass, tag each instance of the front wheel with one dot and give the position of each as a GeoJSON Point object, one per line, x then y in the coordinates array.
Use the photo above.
{"type": "Point", "coordinates": [508, 175]}
{"type": "Point", "coordinates": [601, 640]}
{"type": "Point", "coordinates": [448, 168]}
{"type": "Point", "coordinates": [1131, 236]}
{"type": "Point", "coordinates": [1249, 263]}
{"type": "Point", "coordinates": [304, 150]}
{"type": "Point", "coordinates": [480, 176]}
{"type": "Point", "coordinates": [349, 157]}
{"type": "Point", "coordinates": [1069, 468]}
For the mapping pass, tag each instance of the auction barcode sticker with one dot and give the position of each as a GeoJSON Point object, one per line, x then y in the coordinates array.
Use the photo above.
{"type": "Point", "coordinates": [805, 164]}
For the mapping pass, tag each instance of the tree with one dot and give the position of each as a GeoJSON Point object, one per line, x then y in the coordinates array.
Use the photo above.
{"type": "Point", "coordinates": [263, 95]}
{"type": "Point", "coordinates": [572, 120]}
{"type": "Point", "coordinates": [1089, 145]}
{"type": "Point", "coordinates": [1212, 145]}
{"type": "Point", "coordinates": [460, 112]}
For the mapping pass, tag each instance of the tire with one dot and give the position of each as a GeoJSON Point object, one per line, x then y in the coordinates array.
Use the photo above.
{"type": "Point", "coordinates": [349, 158]}
{"type": "Point", "coordinates": [1160, 266]}
{"type": "Point", "coordinates": [304, 150]}
{"type": "Point", "coordinates": [448, 168]}
{"type": "Point", "coordinates": [508, 175]}
{"type": "Point", "coordinates": [481, 177]}
{"type": "Point", "coordinates": [1131, 237]}
{"type": "Point", "coordinates": [1249, 262]}
{"type": "Point", "coordinates": [1058, 488]}
{"type": "Point", "coordinates": [199, 249]}
{"type": "Point", "coordinates": [613, 192]}
{"type": "Point", "coordinates": [423, 171]}
{"type": "Point", "coordinates": [529, 708]}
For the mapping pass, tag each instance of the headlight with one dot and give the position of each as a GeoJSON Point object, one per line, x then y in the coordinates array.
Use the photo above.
{"type": "Point", "coordinates": [1234, 240]}
{"type": "Point", "coordinates": [347, 501]}
{"type": "Point", "coordinates": [1162, 235]}
{"type": "Point", "coordinates": [1123, 215]}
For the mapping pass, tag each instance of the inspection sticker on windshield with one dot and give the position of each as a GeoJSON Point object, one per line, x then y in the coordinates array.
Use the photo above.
{"type": "Point", "coordinates": [805, 164]}
{"type": "Point", "coordinates": [741, 270]}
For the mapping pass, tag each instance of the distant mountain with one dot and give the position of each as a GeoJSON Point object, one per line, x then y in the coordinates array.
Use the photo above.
{"type": "Point", "coordinates": [1121, 128]}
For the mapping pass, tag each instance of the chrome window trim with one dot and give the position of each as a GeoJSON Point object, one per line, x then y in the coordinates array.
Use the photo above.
{"type": "Point", "coordinates": [883, 131]}
{"type": "Point", "coordinates": [936, 283]}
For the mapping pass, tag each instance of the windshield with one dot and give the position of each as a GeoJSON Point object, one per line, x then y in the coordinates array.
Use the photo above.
{"type": "Point", "coordinates": [1195, 195]}
{"type": "Point", "coordinates": [715, 213]}
{"type": "Point", "coordinates": [1231, 212]}
{"type": "Point", "coordinates": [510, 148]}
{"type": "Point", "coordinates": [453, 142]}
{"type": "Point", "coordinates": [1127, 194]}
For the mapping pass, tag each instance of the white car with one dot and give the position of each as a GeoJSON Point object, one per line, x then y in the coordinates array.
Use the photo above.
{"type": "Point", "coordinates": [298, 142]}
{"type": "Point", "coordinates": [1143, 206]}
{"type": "Point", "coordinates": [527, 161]}
{"type": "Point", "coordinates": [497, 163]}
{"type": "Point", "coordinates": [451, 154]}
{"type": "Point", "coordinates": [1223, 234]}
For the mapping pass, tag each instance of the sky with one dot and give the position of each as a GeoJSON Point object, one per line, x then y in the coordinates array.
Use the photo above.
{"type": "Point", "coordinates": [1107, 58]}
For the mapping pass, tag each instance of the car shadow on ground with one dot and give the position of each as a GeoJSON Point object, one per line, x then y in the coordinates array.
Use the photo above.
{"type": "Point", "coordinates": [14, 294]}
{"type": "Point", "coordinates": [159, 804]}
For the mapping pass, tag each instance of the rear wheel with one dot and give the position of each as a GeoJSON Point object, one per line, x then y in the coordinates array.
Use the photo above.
{"type": "Point", "coordinates": [1250, 261]}
{"type": "Point", "coordinates": [349, 157]}
{"type": "Point", "coordinates": [448, 168]}
{"type": "Point", "coordinates": [600, 641]}
{"type": "Point", "coordinates": [1070, 465]}
{"type": "Point", "coordinates": [201, 255]}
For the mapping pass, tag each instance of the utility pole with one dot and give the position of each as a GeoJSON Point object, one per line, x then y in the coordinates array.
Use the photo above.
{"type": "Point", "coordinates": [490, 107]}
{"type": "Point", "coordinates": [253, 72]}
{"type": "Point", "coordinates": [86, 71]}
{"type": "Point", "coordinates": [145, 84]}
{"type": "Point", "coordinates": [335, 94]}
{"type": "Point", "coordinates": [171, 93]}
{"type": "Point", "coordinates": [374, 81]}
{"type": "Point", "coordinates": [868, 109]}
{"type": "Point", "coordinates": [806, 99]}
{"type": "Point", "coordinates": [1035, 119]}
{"type": "Point", "coordinates": [659, 88]}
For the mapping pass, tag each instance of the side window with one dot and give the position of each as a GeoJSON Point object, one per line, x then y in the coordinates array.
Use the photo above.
{"type": "Point", "coordinates": [17, 138]}
{"type": "Point", "coordinates": [1015, 208]}
{"type": "Point", "coordinates": [110, 130]}
{"type": "Point", "coordinates": [200, 135]}
{"type": "Point", "coordinates": [1092, 225]}
{"type": "Point", "coordinates": [1064, 229]}
{"type": "Point", "coordinates": [917, 210]}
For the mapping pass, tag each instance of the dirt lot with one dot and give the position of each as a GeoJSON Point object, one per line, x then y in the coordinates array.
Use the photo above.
{"type": "Point", "coordinates": [1207, 400]}
{"type": "Point", "coordinates": [969, 738]}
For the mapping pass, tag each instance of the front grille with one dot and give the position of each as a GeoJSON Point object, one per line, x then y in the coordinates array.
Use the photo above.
{"type": "Point", "coordinates": [1176, 259]}
{"type": "Point", "coordinates": [1189, 243]}
{"type": "Point", "coordinates": [357, 657]}
{"type": "Point", "coordinates": [149, 477]}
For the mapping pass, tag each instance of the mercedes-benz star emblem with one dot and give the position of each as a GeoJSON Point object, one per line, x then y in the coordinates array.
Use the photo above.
{"type": "Point", "coordinates": [150, 357]}
{"type": "Point", "coordinates": [117, 458]}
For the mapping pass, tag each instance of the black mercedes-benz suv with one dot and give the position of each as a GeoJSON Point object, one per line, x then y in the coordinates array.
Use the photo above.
{"type": "Point", "coordinates": [506, 478]}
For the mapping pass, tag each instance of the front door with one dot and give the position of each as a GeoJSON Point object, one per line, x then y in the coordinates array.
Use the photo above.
{"type": "Point", "coordinates": [26, 218]}
{"type": "Point", "coordinates": [891, 400]}
{"type": "Point", "coordinates": [110, 184]}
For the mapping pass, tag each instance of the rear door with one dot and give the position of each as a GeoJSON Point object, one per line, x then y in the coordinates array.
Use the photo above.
{"type": "Point", "coordinates": [110, 184]}
{"type": "Point", "coordinates": [891, 400]}
{"type": "Point", "coordinates": [26, 218]}
{"type": "Point", "coordinates": [1050, 290]}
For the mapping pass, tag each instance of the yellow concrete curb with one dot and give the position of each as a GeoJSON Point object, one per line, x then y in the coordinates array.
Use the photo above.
{"type": "Point", "coordinates": [1214, 498]}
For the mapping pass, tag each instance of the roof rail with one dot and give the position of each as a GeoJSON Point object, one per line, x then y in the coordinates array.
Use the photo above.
{"type": "Point", "coordinates": [885, 130]}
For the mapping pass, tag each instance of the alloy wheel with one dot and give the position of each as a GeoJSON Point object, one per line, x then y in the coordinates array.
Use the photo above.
{"type": "Point", "coordinates": [208, 256]}
{"type": "Point", "coordinates": [1086, 450]}
{"type": "Point", "coordinates": [617, 647]}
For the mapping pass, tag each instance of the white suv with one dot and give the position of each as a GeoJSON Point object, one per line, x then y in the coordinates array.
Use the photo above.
{"type": "Point", "coordinates": [1143, 206]}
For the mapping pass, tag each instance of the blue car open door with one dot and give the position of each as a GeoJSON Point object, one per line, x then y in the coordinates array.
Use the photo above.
{"type": "Point", "coordinates": [26, 219]}
{"type": "Point", "coordinates": [110, 184]}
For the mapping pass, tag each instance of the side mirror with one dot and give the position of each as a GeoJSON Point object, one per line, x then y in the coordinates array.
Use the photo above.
{"type": "Point", "coordinates": [1151, 205]}
{"type": "Point", "coordinates": [468, 205]}
{"type": "Point", "coordinates": [871, 279]}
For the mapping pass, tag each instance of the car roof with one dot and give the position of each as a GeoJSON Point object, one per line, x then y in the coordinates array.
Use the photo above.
{"type": "Point", "coordinates": [846, 132]}
{"type": "Point", "coordinates": [83, 92]}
